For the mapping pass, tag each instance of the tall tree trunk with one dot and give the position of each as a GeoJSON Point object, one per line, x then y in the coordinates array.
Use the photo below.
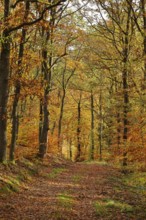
{"type": "Point", "coordinates": [18, 87]}
{"type": "Point", "coordinates": [79, 130]}
{"type": "Point", "coordinates": [47, 74]}
{"type": "Point", "coordinates": [92, 126]}
{"type": "Point", "coordinates": [44, 123]}
{"type": "Point", "coordinates": [125, 117]}
{"type": "Point", "coordinates": [60, 118]}
{"type": "Point", "coordinates": [125, 87]}
{"type": "Point", "coordinates": [118, 118]}
{"type": "Point", "coordinates": [65, 81]}
{"type": "Point", "coordinates": [45, 127]}
{"type": "Point", "coordinates": [16, 97]}
{"type": "Point", "coordinates": [4, 90]}
{"type": "Point", "coordinates": [40, 119]}
{"type": "Point", "coordinates": [118, 130]}
{"type": "Point", "coordinates": [14, 123]}
{"type": "Point", "coordinates": [100, 124]}
{"type": "Point", "coordinates": [70, 149]}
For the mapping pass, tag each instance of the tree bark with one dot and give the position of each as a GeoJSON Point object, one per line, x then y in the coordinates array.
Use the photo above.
{"type": "Point", "coordinates": [44, 134]}
{"type": "Point", "coordinates": [60, 118]}
{"type": "Point", "coordinates": [44, 123]}
{"type": "Point", "coordinates": [100, 124]}
{"type": "Point", "coordinates": [92, 126]}
{"type": "Point", "coordinates": [4, 89]}
{"type": "Point", "coordinates": [16, 97]}
{"type": "Point", "coordinates": [125, 87]}
{"type": "Point", "coordinates": [18, 87]}
{"type": "Point", "coordinates": [40, 119]}
{"type": "Point", "coordinates": [79, 130]}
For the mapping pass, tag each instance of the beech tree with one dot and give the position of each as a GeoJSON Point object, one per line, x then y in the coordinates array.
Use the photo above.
{"type": "Point", "coordinates": [10, 26]}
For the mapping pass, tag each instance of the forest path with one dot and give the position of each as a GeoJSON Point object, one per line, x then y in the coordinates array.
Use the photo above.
{"type": "Point", "coordinates": [75, 191]}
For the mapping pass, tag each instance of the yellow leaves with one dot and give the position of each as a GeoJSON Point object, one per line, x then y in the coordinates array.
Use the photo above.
{"type": "Point", "coordinates": [76, 65]}
{"type": "Point", "coordinates": [44, 24]}
{"type": "Point", "coordinates": [71, 64]}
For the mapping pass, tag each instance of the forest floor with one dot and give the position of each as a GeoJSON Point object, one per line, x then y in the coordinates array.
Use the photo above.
{"type": "Point", "coordinates": [75, 191]}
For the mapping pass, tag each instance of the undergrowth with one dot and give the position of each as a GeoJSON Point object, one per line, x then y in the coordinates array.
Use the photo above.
{"type": "Point", "coordinates": [14, 175]}
{"type": "Point", "coordinates": [65, 200]}
{"type": "Point", "coordinates": [105, 206]}
{"type": "Point", "coordinates": [54, 173]}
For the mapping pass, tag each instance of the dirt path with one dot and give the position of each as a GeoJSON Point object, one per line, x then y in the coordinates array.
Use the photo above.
{"type": "Point", "coordinates": [75, 192]}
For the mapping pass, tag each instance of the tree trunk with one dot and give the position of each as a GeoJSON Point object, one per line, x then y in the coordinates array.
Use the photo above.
{"type": "Point", "coordinates": [79, 130]}
{"type": "Point", "coordinates": [100, 124]}
{"type": "Point", "coordinates": [118, 130]}
{"type": "Point", "coordinates": [118, 116]}
{"type": "Point", "coordinates": [60, 118]}
{"type": "Point", "coordinates": [70, 149]}
{"type": "Point", "coordinates": [47, 57]}
{"type": "Point", "coordinates": [16, 97]}
{"type": "Point", "coordinates": [40, 120]}
{"type": "Point", "coordinates": [4, 89]}
{"type": "Point", "coordinates": [44, 123]}
{"type": "Point", "coordinates": [125, 87]}
{"type": "Point", "coordinates": [44, 134]}
{"type": "Point", "coordinates": [92, 126]}
{"type": "Point", "coordinates": [14, 123]}
{"type": "Point", "coordinates": [125, 117]}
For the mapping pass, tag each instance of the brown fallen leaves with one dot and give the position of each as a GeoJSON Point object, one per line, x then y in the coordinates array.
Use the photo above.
{"type": "Point", "coordinates": [74, 191]}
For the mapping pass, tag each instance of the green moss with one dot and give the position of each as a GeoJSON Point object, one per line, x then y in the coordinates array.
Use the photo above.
{"type": "Point", "coordinates": [17, 174]}
{"type": "Point", "coordinates": [9, 184]}
{"type": "Point", "coordinates": [100, 208]}
{"type": "Point", "coordinates": [33, 171]}
{"type": "Point", "coordinates": [124, 207]}
{"type": "Point", "coordinates": [104, 206]}
{"type": "Point", "coordinates": [65, 200]}
{"type": "Point", "coordinates": [98, 162]}
{"type": "Point", "coordinates": [5, 162]}
{"type": "Point", "coordinates": [55, 172]}
{"type": "Point", "coordinates": [136, 181]}
{"type": "Point", "coordinates": [76, 178]}
{"type": "Point", "coordinates": [5, 189]}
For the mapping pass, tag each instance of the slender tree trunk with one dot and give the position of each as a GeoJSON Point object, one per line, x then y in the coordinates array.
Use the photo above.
{"type": "Point", "coordinates": [4, 90]}
{"type": "Point", "coordinates": [18, 88]}
{"type": "Point", "coordinates": [100, 124]}
{"type": "Point", "coordinates": [70, 149]}
{"type": "Point", "coordinates": [17, 123]}
{"type": "Point", "coordinates": [118, 130]}
{"type": "Point", "coordinates": [60, 118]}
{"type": "Point", "coordinates": [65, 81]}
{"type": "Point", "coordinates": [118, 120]}
{"type": "Point", "coordinates": [79, 130]}
{"type": "Point", "coordinates": [92, 126]}
{"type": "Point", "coordinates": [125, 117]}
{"type": "Point", "coordinates": [143, 7]}
{"type": "Point", "coordinates": [14, 123]}
{"type": "Point", "coordinates": [125, 88]}
{"type": "Point", "coordinates": [47, 57]}
{"type": "Point", "coordinates": [44, 134]}
{"type": "Point", "coordinates": [4, 75]}
{"type": "Point", "coordinates": [16, 97]}
{"type": "Point", "coordinates": [44, 127]}
{"type": "Point", "coordinates": [40, 120]}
